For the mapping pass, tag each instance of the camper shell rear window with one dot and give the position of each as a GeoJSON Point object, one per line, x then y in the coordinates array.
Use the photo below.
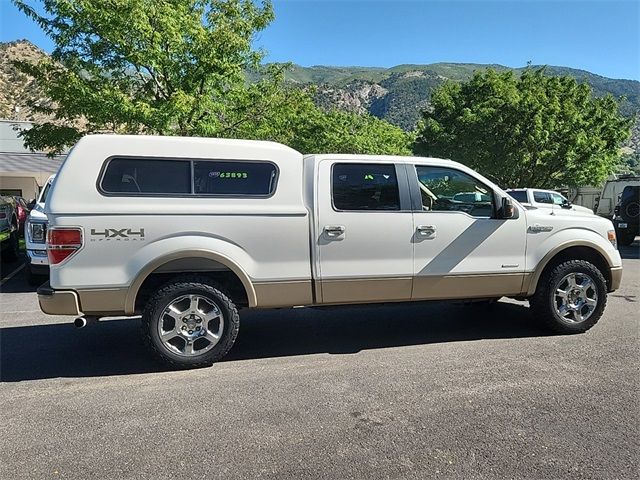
{"type": "Point", "coordinates": [127, 176]}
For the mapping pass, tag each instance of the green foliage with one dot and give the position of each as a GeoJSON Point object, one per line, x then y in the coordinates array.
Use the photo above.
{"type": "Point", "coordinates": [630, 162]}
{"type": "Point", "coordinates": [149, 66]}
{"type": "Point", "coordinates": [527, 131]}
{"type": "Point", "coordinates": [297, 122]}
{"type": "Point", "coordinates": [178, 67]}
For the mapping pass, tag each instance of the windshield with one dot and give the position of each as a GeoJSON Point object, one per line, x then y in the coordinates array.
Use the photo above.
{"type": "Point", "coordinates": [44, 193]}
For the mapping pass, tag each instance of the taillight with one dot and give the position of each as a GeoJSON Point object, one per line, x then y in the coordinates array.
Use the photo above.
{"type": "Point", "coordinates": [63, 242]}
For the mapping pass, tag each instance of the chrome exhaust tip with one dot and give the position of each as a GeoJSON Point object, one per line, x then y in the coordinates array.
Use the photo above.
{"type": "Point", "coordinates": [80, 322]}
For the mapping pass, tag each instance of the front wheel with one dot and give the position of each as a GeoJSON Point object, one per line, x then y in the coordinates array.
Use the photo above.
{"type": "Point", "coordinates": [570, 297]}
{"type": "Point", "coordinates": [190, 323]}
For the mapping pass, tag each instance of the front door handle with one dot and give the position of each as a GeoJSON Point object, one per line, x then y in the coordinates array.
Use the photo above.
{"type": "Point", "coordinates": [334, 231]}
{"type": "Point", "coordinates": [426, 230]}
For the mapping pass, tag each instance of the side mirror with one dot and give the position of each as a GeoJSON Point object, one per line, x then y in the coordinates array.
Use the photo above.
{"type": "Point", "coordinates": [507, 210]}
{"type": "Point", "coordinates": [566, 204]}
{"type": "Point", "coordinates": [31, 205]}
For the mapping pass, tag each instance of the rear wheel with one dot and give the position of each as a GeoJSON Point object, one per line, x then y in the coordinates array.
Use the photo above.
{"type": "Point", "coordinates": [570, 297]}
{"type": "Point", "coordinates": [190, 323]}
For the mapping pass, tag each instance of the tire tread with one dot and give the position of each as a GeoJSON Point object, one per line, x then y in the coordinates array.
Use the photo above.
{"type": "Point", "coordinates": [540, 302]}
{"type": "Point", "coordinates": [190, 282]}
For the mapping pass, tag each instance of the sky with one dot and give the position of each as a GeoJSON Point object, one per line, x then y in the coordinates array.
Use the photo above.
{"type": "Point", "coordinates": [601, 36]}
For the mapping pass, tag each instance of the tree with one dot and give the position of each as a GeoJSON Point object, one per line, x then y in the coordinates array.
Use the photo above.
{"type": "Point", "coordinates": [149, 66]}
{"type": "Point", "coordinates": [531, 131]}
{"type": "Point", "coordinates": [296, 121]}
{"type": "Point", "coordinates": [178, 67]}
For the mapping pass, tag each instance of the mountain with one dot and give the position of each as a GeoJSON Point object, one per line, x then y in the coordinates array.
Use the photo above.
{"type": "Point", "coordinates": [18, 90]}
{"type": "Point", "coordinates": [396, 94]}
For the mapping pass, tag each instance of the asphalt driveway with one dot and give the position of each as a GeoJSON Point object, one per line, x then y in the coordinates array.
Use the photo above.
{"type": "Point", "coordinates": [414, 391]}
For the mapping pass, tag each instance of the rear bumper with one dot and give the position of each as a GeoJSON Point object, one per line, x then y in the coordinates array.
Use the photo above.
{"type": "Point", "coordinates": [616, 278]}
{"type": "Point", "coordinates": [57, 302]}
{"type": "Point", "coordinates": [37, 257]}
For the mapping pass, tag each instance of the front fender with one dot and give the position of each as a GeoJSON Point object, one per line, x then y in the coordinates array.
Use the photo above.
{"type": "Point", "coordinates": [539, 255]}
{"type": "Point", "coordinates": [161, 251]}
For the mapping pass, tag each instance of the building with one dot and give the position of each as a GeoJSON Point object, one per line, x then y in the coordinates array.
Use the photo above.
{"type": "Point", "coordinates": [22, 172]}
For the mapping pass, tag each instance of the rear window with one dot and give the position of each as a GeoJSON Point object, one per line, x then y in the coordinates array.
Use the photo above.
{"type": "Point", "coordinates": [520, 196]}
{"type": "Point", "coordinates": [365, 187]}
{"type": "Point", "coordinates": [133, 175]}
{"type": "Point", "coordinates": [234, 178]}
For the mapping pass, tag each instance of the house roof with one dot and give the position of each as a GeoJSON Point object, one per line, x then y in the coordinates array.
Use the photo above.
{"type": "Point", "coordinates": [35, 165]}
{"type": "Point", "coordinates": [29, 162]}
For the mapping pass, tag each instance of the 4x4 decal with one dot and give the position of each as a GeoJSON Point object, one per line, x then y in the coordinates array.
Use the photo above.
{"type": "Point", "coordinates": [117, 234]}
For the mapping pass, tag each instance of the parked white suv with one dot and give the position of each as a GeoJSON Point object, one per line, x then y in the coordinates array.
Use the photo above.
{"type": "Point", "coordinates": [35, 236]}
{"type": "Point", "coordinates": [187, 231]}
{"type": "Point", "coordinates": [549, 199]}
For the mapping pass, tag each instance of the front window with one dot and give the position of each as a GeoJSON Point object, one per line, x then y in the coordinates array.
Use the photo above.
{"type": "Point", "coordinates": [542, 197]}
{"type": "Point", "coordinates": [445, 189]}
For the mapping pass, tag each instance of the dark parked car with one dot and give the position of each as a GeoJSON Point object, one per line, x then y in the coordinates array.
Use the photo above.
{"type": "Point", "coordinates": [627, 215]}
{"type": "Point", "coordinates": [8, 228]}
{"type": "Point", "coordinates": [22, 212]}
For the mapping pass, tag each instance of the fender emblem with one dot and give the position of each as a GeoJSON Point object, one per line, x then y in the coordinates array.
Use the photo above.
{"type": "Point", "coordinates": [536, 228]}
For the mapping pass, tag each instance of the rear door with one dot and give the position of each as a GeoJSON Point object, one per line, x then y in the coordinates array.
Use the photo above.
{"type": "Point", "coordinates": [364, 232]}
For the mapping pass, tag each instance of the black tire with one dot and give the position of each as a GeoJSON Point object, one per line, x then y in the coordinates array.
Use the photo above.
{"type": "Point", "coordinates": [543, 301]}
{"type": "Point", "coordinates": [32, 279]}
{"type": "Point", "coordinates": [12, 250]}
{"type": "Point", "coordinates": [153, 313]}
{"type": "Point", "coordinates": [625, 237]}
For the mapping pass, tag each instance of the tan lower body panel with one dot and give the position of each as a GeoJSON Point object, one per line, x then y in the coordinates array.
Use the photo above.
{"type": "Point", "coordinates": [61, 302]}
{"type": "Point", "coordinates": [283, 294]}
{"type": "Point", "coordinates": [467, 286]}
{"type": "Point", "coordinates": [103, 301]}
{"type": "Point", "coordinates": [345, 291]}
{"type": "Point", "coordinates": [616, 278]}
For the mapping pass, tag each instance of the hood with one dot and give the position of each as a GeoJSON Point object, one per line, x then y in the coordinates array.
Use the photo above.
{"type": "Point", "coordinates": [569, 219]}
{"type": "Point", "coordinates": [575, 210]}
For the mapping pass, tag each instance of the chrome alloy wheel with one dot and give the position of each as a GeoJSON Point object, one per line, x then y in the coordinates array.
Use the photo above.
{"type": "Point", "coordinates": [191, 325]}
{"type": "Point", "coordinates": [576, 297]}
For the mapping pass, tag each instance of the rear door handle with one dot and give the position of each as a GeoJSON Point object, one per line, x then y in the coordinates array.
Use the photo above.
{"type": "Point", "coordinates": [426, 230]}
{"type": "Point", "coordinates": [334, 231]}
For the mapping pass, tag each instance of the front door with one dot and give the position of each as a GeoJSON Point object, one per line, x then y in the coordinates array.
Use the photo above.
{"type": "Point", "coordinates": [461, 249]}
{"type": "Point", "coordinates": [364, 232]}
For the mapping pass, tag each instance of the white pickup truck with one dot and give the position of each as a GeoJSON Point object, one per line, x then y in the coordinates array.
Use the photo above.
{"type": "Point", "coordinates": [554, 202]}
{"type": "Point", "coordinates": [187, 231]}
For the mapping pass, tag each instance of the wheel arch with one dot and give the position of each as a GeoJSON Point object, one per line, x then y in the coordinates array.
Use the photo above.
{"type": "Point", "coordinates": [209, 261]}
{"type": "Point", "coordinates": [572, 250]}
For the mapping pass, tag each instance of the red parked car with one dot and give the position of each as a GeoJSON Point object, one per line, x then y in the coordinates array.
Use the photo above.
{"type": "Point", "coordinates": [22, 212]}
